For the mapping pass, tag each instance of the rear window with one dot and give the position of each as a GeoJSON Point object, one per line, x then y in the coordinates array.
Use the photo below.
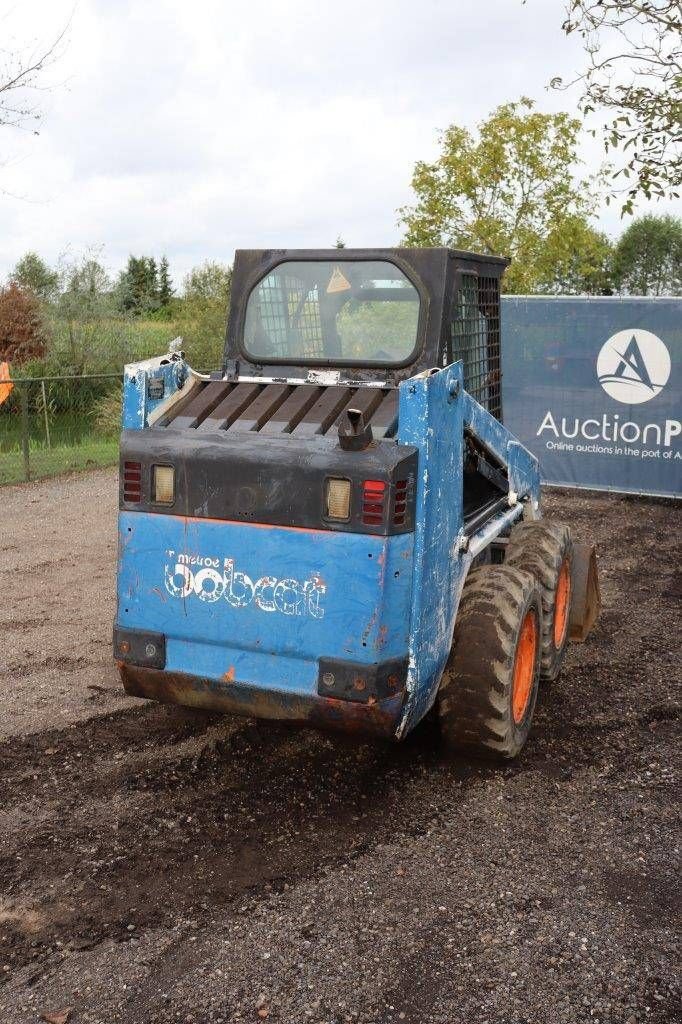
{"type": "Point", "coordinates": [357, 311]}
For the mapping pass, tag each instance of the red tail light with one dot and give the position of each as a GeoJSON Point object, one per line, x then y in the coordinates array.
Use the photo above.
{"type": "Point", "coordinates": [373, 502]}
{"type": "Point", "coordinates": [132, 481]}
{"type": "Point", "coordinates": [400, 503]}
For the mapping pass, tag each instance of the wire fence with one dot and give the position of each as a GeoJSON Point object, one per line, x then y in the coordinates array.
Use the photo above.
{"type": "Point", "coordinates": [51, 425]}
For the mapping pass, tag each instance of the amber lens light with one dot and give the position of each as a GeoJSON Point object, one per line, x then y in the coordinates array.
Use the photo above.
{"type": "Point", "coordinates": [164, 484]}
{"type": "Point", "coordinates": [338, 499]}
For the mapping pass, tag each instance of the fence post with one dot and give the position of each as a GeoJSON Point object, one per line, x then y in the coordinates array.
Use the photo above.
{"type": "Point", "coordinates": [24, 431]}
{"type": "Point", "coordinates": [47, 418]}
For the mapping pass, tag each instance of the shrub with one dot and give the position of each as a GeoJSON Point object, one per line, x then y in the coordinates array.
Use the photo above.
{"type": "Point", "coordinates": [22, 332]}
{"type": "Point", "coordinates": [107, 412]}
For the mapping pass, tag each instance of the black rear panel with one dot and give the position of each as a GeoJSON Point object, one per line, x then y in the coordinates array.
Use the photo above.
{"type": "Point", "coordinates": [276, 479]}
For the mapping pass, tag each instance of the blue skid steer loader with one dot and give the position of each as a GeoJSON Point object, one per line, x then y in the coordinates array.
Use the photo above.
{"type": "Point", "coordinates": [336, 527]}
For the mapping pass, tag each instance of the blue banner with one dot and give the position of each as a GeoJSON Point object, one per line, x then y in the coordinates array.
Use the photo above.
{"type": "Point", "coordinates": [593, 386]}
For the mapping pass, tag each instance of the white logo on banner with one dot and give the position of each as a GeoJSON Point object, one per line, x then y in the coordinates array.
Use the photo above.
{"type": "Point", "coordinates": [633, 366]}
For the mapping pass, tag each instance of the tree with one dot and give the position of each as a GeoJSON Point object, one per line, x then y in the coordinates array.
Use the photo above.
{"type": "Point", "coordinates": [165, 283]}
{"type": "Point", "coordinates": [633, 75]}
{"type": "Point", "coordinates": [576, 260]}
{"type": "Point", "coordinates": [21, 71]}
{"type": "Point", "coordinates": [208, 283]}
{"type": "Point", "coordinates": [648, 257]}
{"type": "Point", "coordinates": [138, 286]}
{"type": "Point", "coordinates": [507, 192]}
{"type": "Point", "coordinates": [204, 312]}
{"type": "Point", "coordinates": [86, 280]}
{"type": "Point", "coordinates": [33, 273]}
{"type": "Point", "coordinates": [152, 282]}
{"type": "Point", "coordinates": [87, 330]}
{"type": "Point", "coordinates": [22, 334]}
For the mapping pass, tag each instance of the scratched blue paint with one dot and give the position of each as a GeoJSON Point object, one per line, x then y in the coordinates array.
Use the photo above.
{"type": "Point", "coordinates": [309, 594]}
{"type": "Point", "coordinates": [137, 405]}
{"type": "Point", "coordinates": [432, 419]}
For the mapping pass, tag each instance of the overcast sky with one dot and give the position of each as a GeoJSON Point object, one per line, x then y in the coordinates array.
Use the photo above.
{"type": "Point", "coordinates": [192, 129]}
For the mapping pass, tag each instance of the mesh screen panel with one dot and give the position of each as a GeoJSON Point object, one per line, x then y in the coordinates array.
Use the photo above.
{"type": "Point", "coordinates": [476, 339]}
{"type": "Point", "coordinates": [290, 315]}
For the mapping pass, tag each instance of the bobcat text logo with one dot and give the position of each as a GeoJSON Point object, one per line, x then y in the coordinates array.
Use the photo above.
{"type": "Point", "coordinates": [213, 579]}
{"type": "Point", "coordinates": [633, 366]}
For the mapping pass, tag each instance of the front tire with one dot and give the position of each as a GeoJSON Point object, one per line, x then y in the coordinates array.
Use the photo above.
{"type": "Point", "coordinates": [489, 686]}
{"type": "Point", "coordinates": [545, 549]}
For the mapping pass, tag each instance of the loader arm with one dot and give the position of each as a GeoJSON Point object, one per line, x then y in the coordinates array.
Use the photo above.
{"type": "Point", "coordinates": [523, 470]}
{"type": "Point", "coordinates": [435, 413]}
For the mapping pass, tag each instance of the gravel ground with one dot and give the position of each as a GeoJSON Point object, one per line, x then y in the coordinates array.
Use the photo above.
{"type": "Point", "coordinates": [164, 867]}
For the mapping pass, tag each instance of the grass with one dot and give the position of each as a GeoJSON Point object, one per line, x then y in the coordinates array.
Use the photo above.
{"type": "Point", "coordinates": [75, 443]}
{"type": "Point", "coordinates": [84, 416]}
{"type": "Point", "coordinates": [45, 462]}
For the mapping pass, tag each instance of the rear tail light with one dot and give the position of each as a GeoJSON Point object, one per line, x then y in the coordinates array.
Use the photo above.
{"type": "Point", "coordinates": [163, 489]}
{"type": "Point", "coordinates": [400, 503]}
{"type": "Point", "coordinates": [373, 502]}
{"type": "Point", "coordinates": [132, 481]}
{"type": "Point", "coordinates": [337, 500]}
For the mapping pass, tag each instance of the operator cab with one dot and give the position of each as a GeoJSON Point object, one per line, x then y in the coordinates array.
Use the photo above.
{"type": "Point", "coordinates": [372, 317]}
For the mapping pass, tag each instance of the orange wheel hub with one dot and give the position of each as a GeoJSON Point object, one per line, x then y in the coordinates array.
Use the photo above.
{"type": "Point", "coordinates": [561, 604]}
{"type": "Point", "coordinates": [524, 666]}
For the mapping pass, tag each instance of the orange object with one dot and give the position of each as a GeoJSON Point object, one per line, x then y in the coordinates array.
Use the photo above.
{"type": "Point", "coordinates": [337, 282]}
{"type": "Point", "coordinates": [524, 666]}
{"type": "Point", "coordinates": [6, 384]}
{"type": "Point", "coordinates": [563, 600]}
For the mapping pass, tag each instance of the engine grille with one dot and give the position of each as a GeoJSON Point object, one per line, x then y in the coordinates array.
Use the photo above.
{"type": "Point", "coordinates": [301, 410]}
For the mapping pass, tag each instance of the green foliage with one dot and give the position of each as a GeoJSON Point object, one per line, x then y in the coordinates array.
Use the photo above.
{"type": "Point", "coordinates": [207, 283]}
{"type": "Point", "coordinates": [106, 413]}
{"type": "Point", "coordinates": [165, 284]}
{"type": "Point", "coordinates": [576, 260]}
{"type": "Point", "coordinates": [511, 191]}
{"type": "Point", "coordinates": [633, 75]}
{"type": "Point", "coordinates": [143, 287]}
{"type": "Point", "coordinates": [33, 274]}
{"type": "Point", "coordinates": [648, 257]}
{"type": "Point", "coordinates": [367, 328]}
{"type": "Point", "coordinates": [84, 306]}
{"type": "Point", "coordinates": [203, 315]}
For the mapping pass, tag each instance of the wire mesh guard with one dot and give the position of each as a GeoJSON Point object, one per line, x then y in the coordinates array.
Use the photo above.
{"type": "Point", "coordinates": [290, 316]}
{"type": "Point", "coordinates": [476, 339]}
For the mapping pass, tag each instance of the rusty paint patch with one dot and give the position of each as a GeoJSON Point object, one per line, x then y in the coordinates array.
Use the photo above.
{"type": "Point", "coordinates": [379, 719]}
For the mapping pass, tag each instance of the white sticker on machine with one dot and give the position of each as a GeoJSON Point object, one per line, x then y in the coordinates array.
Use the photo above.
{"type": "Point", "coordinates": [215, 579]}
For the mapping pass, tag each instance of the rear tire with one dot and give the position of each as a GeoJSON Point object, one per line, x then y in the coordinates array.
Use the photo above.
{"type": "Point", "coordinates": [545, 549]}
{"type": "Point", "coordinates": [489, 686]}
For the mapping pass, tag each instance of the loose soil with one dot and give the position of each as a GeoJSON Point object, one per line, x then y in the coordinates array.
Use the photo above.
{"type": "Point", "coordinates": [160, 866]}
